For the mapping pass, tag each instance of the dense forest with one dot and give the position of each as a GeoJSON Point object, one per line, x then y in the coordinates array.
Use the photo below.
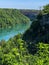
{"type": "Point", "coordinates": [18, 52]}
{"type": "Point", "coordinates": [30, 48]}
{"type": "Point", "coordinates": [11, 17]}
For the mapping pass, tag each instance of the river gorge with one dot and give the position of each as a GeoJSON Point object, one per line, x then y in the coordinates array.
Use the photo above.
{"type": "Point", "coordinates": [5, 34]}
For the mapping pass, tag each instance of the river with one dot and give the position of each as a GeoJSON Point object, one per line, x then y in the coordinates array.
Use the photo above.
{"type": "Point", "coordinates": [6, 34]}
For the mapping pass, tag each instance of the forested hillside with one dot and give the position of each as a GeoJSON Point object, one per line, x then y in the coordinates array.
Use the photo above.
{"type": "Point", "coordinates": [18, 52]}
{"type": "Point", "coordinates": [30, 48]}
{"type": "Point", "coordinates": [39, 30]}
{"type": "Point", "coordinates": [11, 17]}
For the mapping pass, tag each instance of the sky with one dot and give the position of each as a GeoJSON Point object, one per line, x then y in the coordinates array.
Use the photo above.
{"type": "Point", "coordinates": [23, 4]}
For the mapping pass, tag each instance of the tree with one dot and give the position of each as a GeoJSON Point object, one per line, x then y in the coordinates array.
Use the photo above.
{"type": "Point", "coordinates": [46, 9]}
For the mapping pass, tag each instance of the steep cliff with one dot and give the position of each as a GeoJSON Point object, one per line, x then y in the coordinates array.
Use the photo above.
{"type": "Point", "coordinates": [39, 30]}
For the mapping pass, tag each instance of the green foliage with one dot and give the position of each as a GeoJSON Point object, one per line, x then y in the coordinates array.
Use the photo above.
{"type": "Point", "coordinates": [46, 9]}
{"type": "Point", "coordinates": [11, 17]}
{"type": "Point", "coordinates": [15, 52]}
{"type": "Point", "coordinates": [43, 53]}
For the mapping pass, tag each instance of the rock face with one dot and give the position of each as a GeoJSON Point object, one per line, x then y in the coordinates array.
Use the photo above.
{"type": "Point", "coordinates": [39, 31]}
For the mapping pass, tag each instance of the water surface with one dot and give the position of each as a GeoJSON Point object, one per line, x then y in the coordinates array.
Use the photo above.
{"type": "Point", "coordinates": [6, 34]}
